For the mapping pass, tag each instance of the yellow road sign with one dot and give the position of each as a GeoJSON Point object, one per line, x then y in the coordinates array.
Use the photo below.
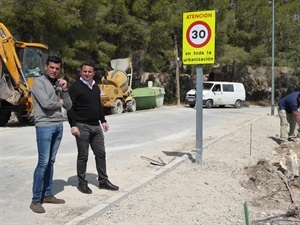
{"type": "Point", "coordinates": [199, 37]}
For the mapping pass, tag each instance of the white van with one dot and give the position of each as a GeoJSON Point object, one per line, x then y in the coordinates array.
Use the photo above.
{"type": "Point", "coordinates": [219, 93]}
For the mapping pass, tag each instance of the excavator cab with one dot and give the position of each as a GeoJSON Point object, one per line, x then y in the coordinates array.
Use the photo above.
{"type": "Point", "coordinates": [33, 61]}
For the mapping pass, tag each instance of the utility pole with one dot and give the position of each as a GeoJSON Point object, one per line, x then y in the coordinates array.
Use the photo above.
{"type": "Point", "coordinates": [177, 68]}
{"type": "Point", "coordinates": [273, 56]}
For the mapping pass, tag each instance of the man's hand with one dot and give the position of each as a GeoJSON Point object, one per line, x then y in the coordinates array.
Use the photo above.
{"type": "Point", "coordinates": [63, 83]}
{"type": "Point", "coordinates": [75, 131]}
{"type": "Point", "coordinates": [105, 127]}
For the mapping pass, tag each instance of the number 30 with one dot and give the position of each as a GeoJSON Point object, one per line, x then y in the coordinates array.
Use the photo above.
{"type": "Point", "coordinates": [200, 34]}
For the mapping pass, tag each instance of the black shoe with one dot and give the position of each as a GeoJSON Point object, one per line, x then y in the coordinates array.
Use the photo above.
{"type": "Point", "coordinates": [108, 186]}
{"type": "Point", "coordinates": [83, 187]}
{"type": "Point", "coordinates": [291, 139]}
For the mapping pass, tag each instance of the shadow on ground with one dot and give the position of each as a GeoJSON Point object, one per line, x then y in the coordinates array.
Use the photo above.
{"type": "Point", "coordinates": [180, 154]}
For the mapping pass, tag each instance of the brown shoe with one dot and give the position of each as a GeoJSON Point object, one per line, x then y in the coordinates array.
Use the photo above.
{"type": "Point", "coordinates": [53, 200]}
{"type": "Point", "coordinates": [37, 207]}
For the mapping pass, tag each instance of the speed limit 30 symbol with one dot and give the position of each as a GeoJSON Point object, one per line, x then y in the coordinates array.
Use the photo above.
{"type": "Point", "coordinates": [198, 34]}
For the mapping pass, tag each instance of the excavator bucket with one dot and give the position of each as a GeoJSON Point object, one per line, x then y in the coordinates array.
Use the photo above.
{"type": "Point", "coordinates": [7, 90]}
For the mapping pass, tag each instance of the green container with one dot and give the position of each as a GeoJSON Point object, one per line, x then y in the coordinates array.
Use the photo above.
{"type": "Point", "coordinates": [149, 97]}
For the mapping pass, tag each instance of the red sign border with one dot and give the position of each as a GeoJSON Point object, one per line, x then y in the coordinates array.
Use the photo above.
{"type": "Point", "coordinates": [188, 32]}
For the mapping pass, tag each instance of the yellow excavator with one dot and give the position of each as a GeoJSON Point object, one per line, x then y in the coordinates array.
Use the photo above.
{"type": "Point", "coordinates": [20, 63]}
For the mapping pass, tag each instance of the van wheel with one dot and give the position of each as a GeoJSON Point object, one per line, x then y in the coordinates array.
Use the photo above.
{"type": "Point", "coordinates": [192, 105]}
{"type": "Point", "coordinates": [238, 104]}
{"type": "Point", "coordinates": [209, 103]}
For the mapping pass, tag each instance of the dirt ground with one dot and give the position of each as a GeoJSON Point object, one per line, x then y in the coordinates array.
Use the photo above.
{"type": "Point", "coordinates": [239, 181]}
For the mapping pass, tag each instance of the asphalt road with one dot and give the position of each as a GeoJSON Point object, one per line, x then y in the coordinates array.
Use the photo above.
{"type": "Point", "coordinates": [165, 133]}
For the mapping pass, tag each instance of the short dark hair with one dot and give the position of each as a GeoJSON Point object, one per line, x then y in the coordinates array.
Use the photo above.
{"type": "Point", "coordinates": [87, 64]}
{"type": "Point", "coordinates": [53, 59]}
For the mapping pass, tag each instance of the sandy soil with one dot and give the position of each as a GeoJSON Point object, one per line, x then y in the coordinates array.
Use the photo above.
{"type": "Point", "coordinates": [240, 181]}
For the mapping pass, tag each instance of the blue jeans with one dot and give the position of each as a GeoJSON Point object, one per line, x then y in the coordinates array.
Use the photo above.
{"type": "Point", "coordinates": [48, 140]}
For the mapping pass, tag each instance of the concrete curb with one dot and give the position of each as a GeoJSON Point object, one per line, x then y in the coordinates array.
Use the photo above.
{"type": "Point", "coordinates": [123, 195]}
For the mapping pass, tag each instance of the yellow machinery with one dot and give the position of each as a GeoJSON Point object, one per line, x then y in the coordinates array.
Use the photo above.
{"type": "Point", "coordinates": [20, 63]}
{"type": "Point", "coordinates": [116, 92]}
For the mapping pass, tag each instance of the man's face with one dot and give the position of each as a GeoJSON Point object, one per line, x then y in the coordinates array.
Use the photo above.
{"type": "Point", "coordinates": [53, 69]}
{"type": "Point", "coordinates": [87, 73]}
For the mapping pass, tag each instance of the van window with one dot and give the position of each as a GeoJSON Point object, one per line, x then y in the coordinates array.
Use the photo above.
{"type": "Point", "coordinates": [207, 86]}
{"type": "Point", "coordinates": [217, 87]}
{"type": "Point", "coordinates": [228, 87]}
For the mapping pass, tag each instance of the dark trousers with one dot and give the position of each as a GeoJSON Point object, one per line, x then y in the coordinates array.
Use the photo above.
{"type": "Point", "coordinates": [90, 136]}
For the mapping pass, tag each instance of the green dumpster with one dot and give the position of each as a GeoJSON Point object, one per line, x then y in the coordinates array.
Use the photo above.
{"type": "Point", "coordinates": [149, 97]}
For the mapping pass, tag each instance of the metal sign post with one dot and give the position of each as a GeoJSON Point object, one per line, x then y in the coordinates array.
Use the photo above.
{"type": "Point", "coordinates": [199, 114]}
{"type": "Point", "coordinates": [198, 48]}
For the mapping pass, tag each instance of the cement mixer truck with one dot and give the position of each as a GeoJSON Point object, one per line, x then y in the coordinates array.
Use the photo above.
{"type": "Point", "coordinates": [116, 93]}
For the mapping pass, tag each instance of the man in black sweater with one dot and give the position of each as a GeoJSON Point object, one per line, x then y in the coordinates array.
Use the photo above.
{"type": "Point", "coordinates": [84, 119]}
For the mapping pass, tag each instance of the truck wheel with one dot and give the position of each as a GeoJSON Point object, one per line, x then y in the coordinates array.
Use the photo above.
{"type": "Point", "coordinates": [118, 107]}
{"type": "Point", "coordinates": [131, 106]}
{"type": "Point", "coordinates": [238, 104]}
{"type": "Point", "coordinates": [23, 118]}
{"type": "Point", "coordinates": [4, 117]}
{"type": "Point", "coordinates": [192, 105]}
{"type": "Point", "coordinates": [209, 103]}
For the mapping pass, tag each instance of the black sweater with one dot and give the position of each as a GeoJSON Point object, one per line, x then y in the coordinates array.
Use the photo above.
{"type": "Point", "coordinates": [86, 107]}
